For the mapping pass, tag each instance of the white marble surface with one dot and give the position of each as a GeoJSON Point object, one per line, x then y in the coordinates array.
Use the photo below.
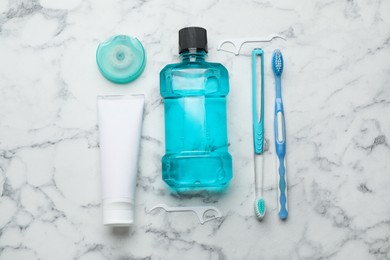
{"type": "Point", "coordinates": [337, 103]}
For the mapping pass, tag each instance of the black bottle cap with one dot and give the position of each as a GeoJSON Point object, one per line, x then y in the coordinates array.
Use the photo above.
{"type": "Point", "coordinates": [192, 38]}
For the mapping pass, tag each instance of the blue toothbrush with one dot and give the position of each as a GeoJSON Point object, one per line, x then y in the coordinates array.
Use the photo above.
{"type": "Point", "coordinates": [280, 135]}
{"type": "Point", "coordinates": [258, 129]}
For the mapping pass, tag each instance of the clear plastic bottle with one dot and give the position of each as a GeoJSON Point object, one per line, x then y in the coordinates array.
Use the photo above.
{"type": "Point", "coordinates": [196, 142]}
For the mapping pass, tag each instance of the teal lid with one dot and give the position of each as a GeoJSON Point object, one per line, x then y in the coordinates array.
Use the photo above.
{"type": "Point", "coordinates": [121, 59]}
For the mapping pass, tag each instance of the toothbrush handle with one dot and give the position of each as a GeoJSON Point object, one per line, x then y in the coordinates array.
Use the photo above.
{"type": "Point", "coordinates": [282, 183]}
{"type": "Point", "coordinates": [258, 101]}
{"type": "Point", "coordinates": [280, 145]}
{"type": "Point", "coordinates": [259, 169]}
{"type": "Point", "coordinates": [258, 136]}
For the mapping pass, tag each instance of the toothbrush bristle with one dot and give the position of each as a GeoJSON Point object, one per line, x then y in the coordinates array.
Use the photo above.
{"type": "Point", "coordinates": [277, 62]}
{"type": "Point", "coordinates": [260, 208]}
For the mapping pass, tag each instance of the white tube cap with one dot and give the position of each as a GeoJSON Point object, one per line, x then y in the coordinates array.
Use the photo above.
{"type": "Point", "coordinates": [118, 213]}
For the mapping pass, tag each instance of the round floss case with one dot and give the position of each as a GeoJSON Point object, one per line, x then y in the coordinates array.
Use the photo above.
{"type": "Point", "coordinates": [121, 59]}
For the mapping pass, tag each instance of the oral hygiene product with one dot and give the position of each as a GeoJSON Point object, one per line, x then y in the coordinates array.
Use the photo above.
{"type": "Point", "coordinates": [280, 136]}
{"type": "Point", "coordinates": [258, 128]}
{"type": "Point", "coordinates": [120, 124]}
{"type": "Point", "coordinates": [196, 142]}
{"type": "Point", "coordinates": [200, 211]}
{"type": "Point", "coordinates": [121, 59]}
{"type": "Point", "coordinates": [239, 42]}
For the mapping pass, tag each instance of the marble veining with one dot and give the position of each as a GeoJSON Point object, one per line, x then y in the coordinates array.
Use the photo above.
{"type": "Point", "coordinates": [337, 104]}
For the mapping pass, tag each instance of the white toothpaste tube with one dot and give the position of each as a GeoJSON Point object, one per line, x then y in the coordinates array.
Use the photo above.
{"type": "Point", "coordinates": [120, 125]}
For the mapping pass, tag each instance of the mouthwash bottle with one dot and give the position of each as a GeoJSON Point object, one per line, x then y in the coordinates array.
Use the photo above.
{"type": "Point", "coordinates": [196, 142]}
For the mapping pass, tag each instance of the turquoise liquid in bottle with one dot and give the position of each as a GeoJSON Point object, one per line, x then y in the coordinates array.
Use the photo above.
{"type": "Point", "coordinates": [196, 142]}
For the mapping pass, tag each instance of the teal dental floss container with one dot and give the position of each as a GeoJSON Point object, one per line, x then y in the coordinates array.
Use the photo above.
{"type": "Point", "coordinates": [121, 59]}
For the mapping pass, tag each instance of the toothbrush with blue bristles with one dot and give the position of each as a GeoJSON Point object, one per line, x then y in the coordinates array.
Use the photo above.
{"type": "Point", "coordinates": [280, 136]}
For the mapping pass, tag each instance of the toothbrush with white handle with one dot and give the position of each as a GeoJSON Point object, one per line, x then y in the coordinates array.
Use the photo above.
{"type": "Point", "coordinates": [280, 136]}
